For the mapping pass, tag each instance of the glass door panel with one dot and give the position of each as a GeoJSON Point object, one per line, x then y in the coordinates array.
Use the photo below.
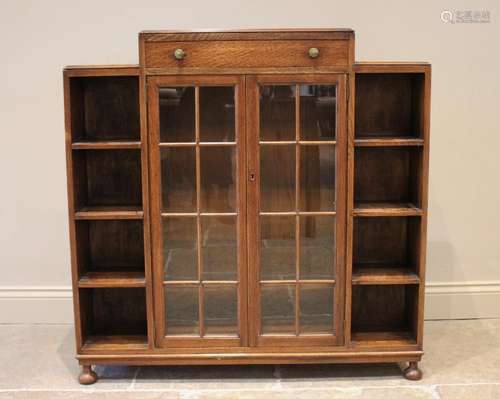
{"type": "Point", "coordinates": [198, 218]}
{"type": "Point", "coordinates": [297, 125]}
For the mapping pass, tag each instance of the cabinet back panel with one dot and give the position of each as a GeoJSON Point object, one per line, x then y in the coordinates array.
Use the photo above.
{"type": "Point", "coordinates": [113, 178]}
{"type": "Point", "coordinates": [386, 242]}
{"type": "Point", "coordinates": [388, 104]}
{"type": "Point", "coordinates": [115, 311]}
{"type": "Point", "coordinates": [105, 108]}
{"type": "Point", "coordinates": [378, 308]}
{"type": "Point", "coordinates": [387, 175]}
{"type": "Point", "coordinates": [111, 245]}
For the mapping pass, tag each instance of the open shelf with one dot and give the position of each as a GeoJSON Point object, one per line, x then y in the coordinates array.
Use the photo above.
{"type": "Point", "coordinates": [106, 145]}
{"type": "Point", "coordinates": [105, 108]}
{"type": "Point", "coordinates": [388, 141]}
{"type": "Point", "coordinates": [109, 212]}
{"type": "Point", "coordinates": [113, 316]}
{"type": "Point", "coordinates": [389, 106]}
{"type": "Point", "coordinates": [386, 209]}
{"type": "Point", "coordinates": [383, 339]}
{"type": "Point", "coordinates": [110, 246]}
{"type": "Point", "coordinates": [387, 180]}
{"type": "Point", "coordinates": [383, 243]}
{"type": "Point", "coordinates": [383, 276]}
{"type": "Point", "coordinates": [107, 179]}
{"type": "Point", "coordinates": [115, 342]}
{"type": "Point", "coordinates": [111, 279]}
{"type": "Point", "coordinates": [384, 314]}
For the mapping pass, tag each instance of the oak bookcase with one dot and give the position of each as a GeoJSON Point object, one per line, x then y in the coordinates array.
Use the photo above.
{"type": "Point", "coordinates": [248, 197]}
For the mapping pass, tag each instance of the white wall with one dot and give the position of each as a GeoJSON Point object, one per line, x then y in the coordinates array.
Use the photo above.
{"type": "Point", "coordinates": [39, 37]}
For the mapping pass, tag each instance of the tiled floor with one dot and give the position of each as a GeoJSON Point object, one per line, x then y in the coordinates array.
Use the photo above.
{"type": "Point", "coordinates": [462, 361]}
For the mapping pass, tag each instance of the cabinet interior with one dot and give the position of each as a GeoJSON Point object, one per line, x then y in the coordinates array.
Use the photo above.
{"type": "Point", "coordinates": [107, 178]}
{"type": "Point", "coordinates": [387, 175]}
{"type": "Point", "coordinates": [110, 246]}
{"type": "Point", "coordinates": [386, 242]}
{"type": "Point", "coordinates": [389, 105]}
{"type": "Point", "coordinates": [384, 312]}
{"type": "Point", "coordinates": [113, 314]}
{"type": "Point", "coordinates": [105, 108]}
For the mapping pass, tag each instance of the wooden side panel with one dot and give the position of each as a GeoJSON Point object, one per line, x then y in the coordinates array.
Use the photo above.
{"type": "Point", "coordinates": [79, 318]}
{"type": "Point", "coordinates": [145, 165]}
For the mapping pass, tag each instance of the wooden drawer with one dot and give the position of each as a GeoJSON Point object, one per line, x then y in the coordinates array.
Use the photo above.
{"type": "Point", "coordinates": [246, 51]}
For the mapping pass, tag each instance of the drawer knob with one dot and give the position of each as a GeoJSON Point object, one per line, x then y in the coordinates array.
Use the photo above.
{"type": "Point", "coordinates": [313, 52]}
{"type": "Point", "coordinates": [179, 54]}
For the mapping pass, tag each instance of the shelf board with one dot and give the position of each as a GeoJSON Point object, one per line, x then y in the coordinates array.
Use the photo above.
{"type": "Point", "coordinates": [383, 339]}
{"type": "Point", "coordinates": [112, 280]}
{"type": "Point", "coordinates": [378, 141]}
{"type": "Point", "coordinates": [118, 342]}
{"type": "Point", "coordinates": [106, 145]}
{"type": "Point", "coordinates": [383, 276]}
{"type": "Point", "coordinates": [368, 209]}
{"type": "Point", "coordinates": [109, 212]}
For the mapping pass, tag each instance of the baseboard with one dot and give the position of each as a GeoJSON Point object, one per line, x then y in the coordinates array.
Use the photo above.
{"type": "Point", "coordinates": [462, 300]}
{"type": "Point", "coordinates": [39, 304]}
{"type": "Point", "coordinates": [447, 300]}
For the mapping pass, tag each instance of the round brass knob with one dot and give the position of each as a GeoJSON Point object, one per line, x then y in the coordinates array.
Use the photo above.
{"type": "Point", "coordinates": [313, 52]}
{"type": "Point", "coordinates": [179, 54]}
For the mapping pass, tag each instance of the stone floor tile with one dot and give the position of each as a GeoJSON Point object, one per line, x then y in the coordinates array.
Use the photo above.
{"type": "Point", "coordinates": [476, 391]}
{"type": "Point", "coordinates": [87, 394]}
{"type": "Point", "coordinates": [43, 357]}
{"type": "Point", "coordinates": [461, 351]}
{"type": "Point", "coordinates": [333, 393]}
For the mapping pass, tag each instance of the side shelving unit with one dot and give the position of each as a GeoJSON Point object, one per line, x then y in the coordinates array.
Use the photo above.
{"type": "Point", "coordinates": [389, 209]}
{"type": "Point", "coordinates": [103, 135]}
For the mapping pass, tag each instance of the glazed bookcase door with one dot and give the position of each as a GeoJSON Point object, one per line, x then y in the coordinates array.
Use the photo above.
{"type": "Point", "coordinates": [296, 130]}
{"type": "Point", "coordinates": [198, 171]}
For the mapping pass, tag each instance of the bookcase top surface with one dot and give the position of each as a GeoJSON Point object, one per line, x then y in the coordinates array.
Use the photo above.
{"type": "Point", "coordinates": [250, 30]}
{"type": "Point", "coordinates": [248, 34]}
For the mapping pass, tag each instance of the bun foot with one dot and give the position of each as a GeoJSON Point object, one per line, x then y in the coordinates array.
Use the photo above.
{"type": "Point", "coordinates": [87, 376]}
{"type": "Point", "coordinates": [412, 372]}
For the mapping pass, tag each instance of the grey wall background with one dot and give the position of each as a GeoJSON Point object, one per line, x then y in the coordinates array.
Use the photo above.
{"type": "Point", "coordinates": [39, 38]}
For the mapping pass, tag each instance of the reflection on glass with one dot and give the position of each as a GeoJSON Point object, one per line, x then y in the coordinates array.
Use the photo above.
{"type": "Point", "coordinates": [277, 248]}
{"type": "Point", "coordinates": [278, 309]}
{"type": "Point", "coordinates": [181, 310]}
{"type": "Point", "coordinates": [177, 114]}
{"type": "Point", "coordinates": [179, 248]}
{"type": "Point", "coordinates": [277, 112]}
{"type": "Point", "coordinates": [221, 310]}
{"type": "Point", "coordinates": [217, 113]}
{"type": "Point", "coordinates": [317, 112]}
{"type": "Point", "coordinates": [316, 309]}
{"type": "Point", "coordinates": [219, 247]}
{"type": "Point", "coordinates": [317, 247]}
{"type": "Point", "coordinates": [178, 179]}
{"type": "Point", "coordinates": [317, 178]}
{"type": "Point", "coordinates": [218, 177]}
{"type": "Point", "coordinates": [277, 178]}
